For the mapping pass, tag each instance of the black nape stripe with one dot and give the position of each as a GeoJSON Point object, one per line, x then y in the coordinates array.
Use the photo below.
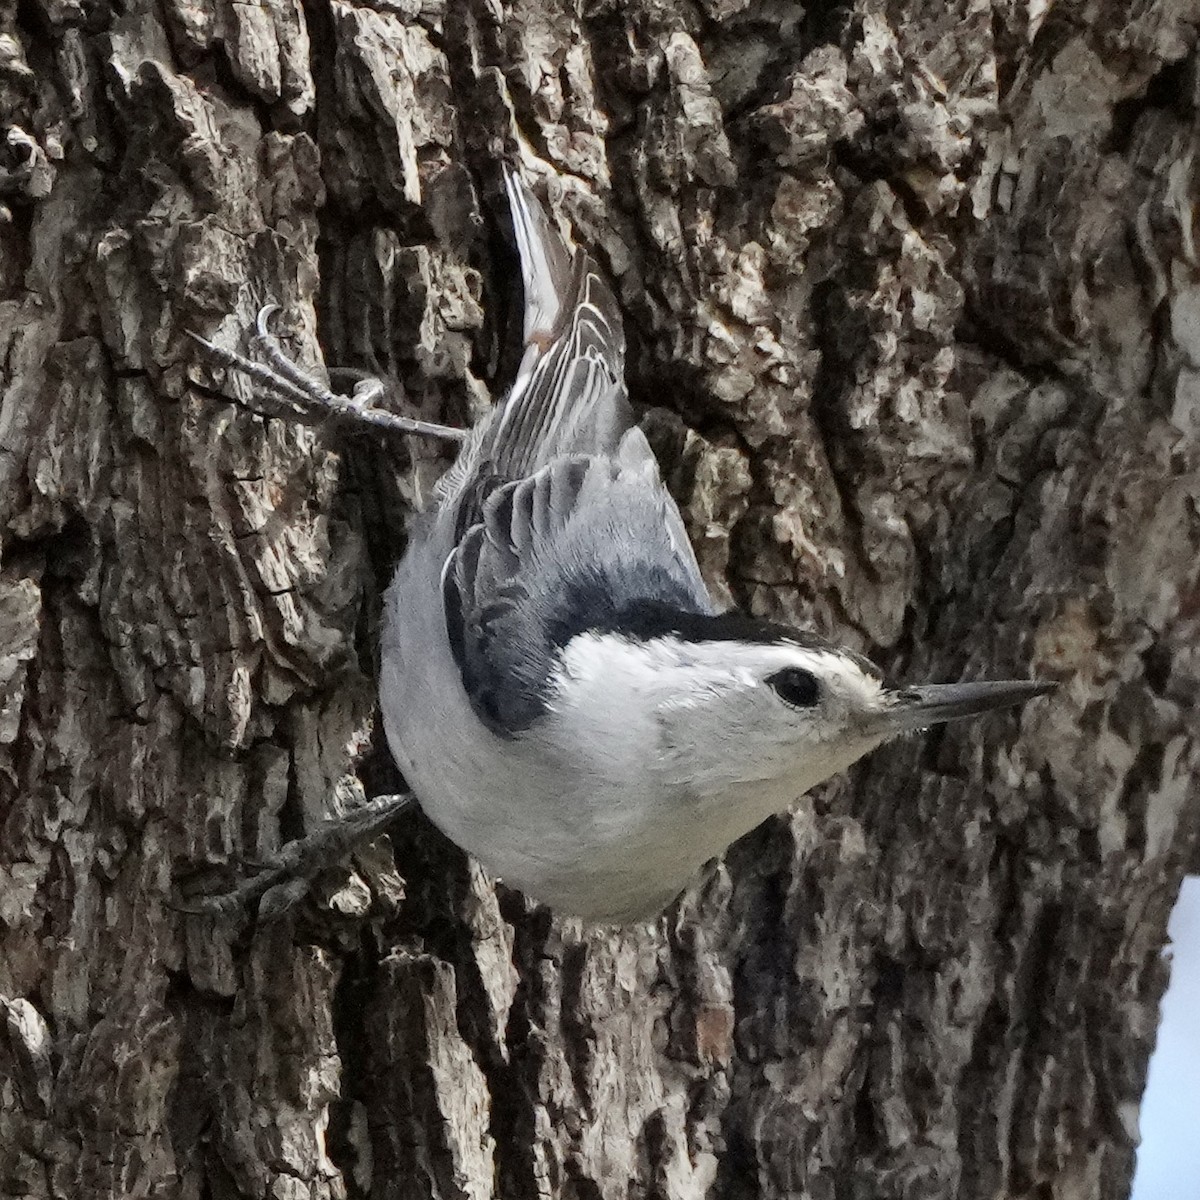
{"type": "Point", "coordinates": [586, 599]}
{"type": "Point", "coordinates": [644, 620]}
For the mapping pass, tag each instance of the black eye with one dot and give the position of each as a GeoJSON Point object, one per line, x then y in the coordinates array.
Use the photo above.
{"type": "Point", "coordinates": [796, 686]}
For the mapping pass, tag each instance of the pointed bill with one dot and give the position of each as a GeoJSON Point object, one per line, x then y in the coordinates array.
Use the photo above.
{"type": "Point", "coordinates": [936, 703]}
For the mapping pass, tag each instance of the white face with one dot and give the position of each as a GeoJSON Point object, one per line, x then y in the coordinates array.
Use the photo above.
{"type": "Point", "coordinates": [674, 749]}
{"type": "Point", "coordinates": [715, 716]}
{"type": "Point", "coordinates": [778, 712]}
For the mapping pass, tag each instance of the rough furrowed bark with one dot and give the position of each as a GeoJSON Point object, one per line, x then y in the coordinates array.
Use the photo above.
{"type": "Point", "coordinates": [914, 317]}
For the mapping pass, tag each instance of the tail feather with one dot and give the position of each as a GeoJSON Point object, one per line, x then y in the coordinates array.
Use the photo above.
{"type": "Point", "coordinates": [569, 395]}
{"type": "Point", "coordinates": [546, 266]}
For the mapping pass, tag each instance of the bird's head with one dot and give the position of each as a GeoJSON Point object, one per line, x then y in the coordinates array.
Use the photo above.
{"type": "Point", "coordinates": [730, 705]}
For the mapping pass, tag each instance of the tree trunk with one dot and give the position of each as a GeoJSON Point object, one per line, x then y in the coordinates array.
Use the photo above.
{"type": "Point", "coordinates": [913, 302]}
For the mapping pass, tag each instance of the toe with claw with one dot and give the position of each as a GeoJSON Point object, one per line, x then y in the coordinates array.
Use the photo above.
{"type": "Point", "coordinates": [304, 397]}
{"type": "Point", "coordinates": [290, 873]}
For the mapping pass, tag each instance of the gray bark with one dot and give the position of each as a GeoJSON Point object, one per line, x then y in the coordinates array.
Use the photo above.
{"type": "Point", "coordinates": [913, 301]}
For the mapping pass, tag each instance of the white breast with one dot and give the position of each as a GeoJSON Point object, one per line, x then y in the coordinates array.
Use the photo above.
{"type": "Point", "coordinates": [572, 812]}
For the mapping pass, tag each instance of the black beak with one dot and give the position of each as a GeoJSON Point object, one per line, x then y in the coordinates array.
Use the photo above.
{"type": "Point", "coordinates": [936, 703]}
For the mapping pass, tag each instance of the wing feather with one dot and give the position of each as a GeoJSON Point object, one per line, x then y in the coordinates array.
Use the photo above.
{"type": "Point", "coordinates": [561, 519]}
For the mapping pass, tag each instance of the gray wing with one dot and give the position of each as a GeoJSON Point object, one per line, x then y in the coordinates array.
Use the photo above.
{"type": "Point", "coordinates": [561, 521]}
{"type": "Point", "coordinates": [583, 543]}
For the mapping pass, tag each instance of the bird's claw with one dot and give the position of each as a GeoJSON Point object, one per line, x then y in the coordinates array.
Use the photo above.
{"type": "Point", "coordinates": [286, 877]}
{"type": "Point", "coordinates": [260, 321]}
{"type": "Point", "coordinates": [367, 392]}
{"type": "Point", "coordinates": [306, 398]}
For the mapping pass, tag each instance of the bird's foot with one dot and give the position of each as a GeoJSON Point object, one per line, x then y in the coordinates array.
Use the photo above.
{"type": "Point", "coordinates": [306, 399]}
{"type": "Point", "coordinates": [284, 880]}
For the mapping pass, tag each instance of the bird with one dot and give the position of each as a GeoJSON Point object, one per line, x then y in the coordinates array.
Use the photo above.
{"type": "Point", "coordinates": [557, 685]}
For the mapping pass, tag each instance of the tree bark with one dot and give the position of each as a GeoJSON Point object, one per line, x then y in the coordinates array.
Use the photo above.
{"type": "Point", "coordinates": [913, 303]}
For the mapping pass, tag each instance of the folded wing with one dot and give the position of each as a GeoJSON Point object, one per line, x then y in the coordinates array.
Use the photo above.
{"type": "Point", "coordinates": [562, 520]}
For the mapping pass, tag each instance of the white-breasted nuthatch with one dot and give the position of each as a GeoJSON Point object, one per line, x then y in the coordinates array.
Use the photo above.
{"type": "Point", "coordinates": [556, 683]}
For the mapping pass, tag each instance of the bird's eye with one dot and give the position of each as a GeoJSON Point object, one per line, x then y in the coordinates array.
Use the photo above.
{"type": "Point", "coordinates": [796, 686]}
